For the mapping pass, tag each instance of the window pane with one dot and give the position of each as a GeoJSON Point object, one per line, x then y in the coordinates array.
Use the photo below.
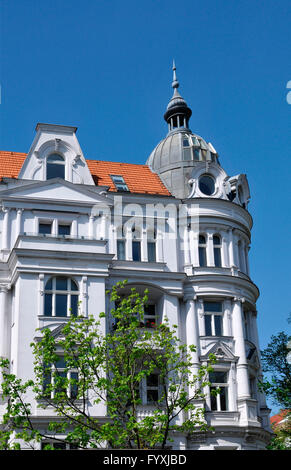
{"type": "Point", "coordinates": [136, 251]}
{"type": "Point", "coordinates": [61, 283]}
{"type": "Point", "coordinates": [61, 305]}
{"type": "Point", "coordinates": [217, 257]}
{"type": "Point", "coordinates": [202, 256]}
{"type": "Point", "coordinates": [218, 377]}
{"type": "Point", "coordinates": [152, 396]}
{"type": "Point", "coordinates": [202, 240]}
{"type": "Point", "coordinates": [121, 249]}
{"type": "Point", "coordinates": [208, 331]}
{"type": "Point", "coordinates": [218, 325]}
{"type": "Point", "coordinates": [216, 240]}
{"type": "Point", "coordinates": [55, 158]}
{"type": "Point", "coordinates": [54, 170]}
{"type": "Point", "coordinates": [212, 307]}
{"type": "Point", "coordinates": [60, 362]}
{"type": "Point", "coordinates": [153, 380]}
{"type": "Point", "coordinates": [206, 185]}
{"type": "Point", "coordinates": [74, 305]}
{"type": "Point", "coordinates": [74, 386]}
{"type": "Point", "coordinates": [213, 399]}
{"type": "Point", "coordinates": [49, 285]}
{"type": "Point", "coordinates": [48, 305]}
{"type": "Point", "coordinates": [196, 153]}
{"type": "Point", "coordinates": [74, 286]}
{"type": "Point", "coordinates": [64, 229]}
{"type": "Point", "coordinates": [223, 399]}
{"type": "Point", "coordinates": [45, 228]}
{"type": "Point", "coordinates": [152, 252]}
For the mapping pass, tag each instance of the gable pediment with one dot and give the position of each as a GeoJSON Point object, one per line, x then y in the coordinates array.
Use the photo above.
{"type": "Point", "coordinates": [221, 351]}
{"type": "Point", "coordinates": [56, 190]}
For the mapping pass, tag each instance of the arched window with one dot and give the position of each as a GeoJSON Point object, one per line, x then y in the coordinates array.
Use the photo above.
{"type": "Point", "coordinates": [217, 250]}
{"type": "Point", "coordinates": [61, 297]}
{"type": "Point", "coordinates": [55, 166]}
{"type": "Point", "coordinates": [202, 250]}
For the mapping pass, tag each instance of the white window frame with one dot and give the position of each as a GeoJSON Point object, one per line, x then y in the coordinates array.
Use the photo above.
{"type": "Point", "coordinates": [53, 292]}
{"type": "Point", "coordinates": [213, 315]}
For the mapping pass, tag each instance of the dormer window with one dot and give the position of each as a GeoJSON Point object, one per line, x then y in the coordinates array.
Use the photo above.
{"type": "Point", "coordinates": [119, 183]}
{"type": "Point", "coordinates": [55, 166]}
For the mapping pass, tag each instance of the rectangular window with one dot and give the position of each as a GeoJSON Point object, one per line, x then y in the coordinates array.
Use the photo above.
{"type": "Point", "coordinates": [57, 378]}
{"type": "Point", "coordinates": [121, 249]}
{"type": "Point", "coordinates": [45, 228]}
{"type": "Point", "coordinates": [213, 318]}
{"type": "Point", "coordinates": [136, 252]}
{"type": "Point", "coordinates": [152, 388]}
{"type": "Point", "coordinates": [64, 229]}
{"type": "Point", "coordinates": [219, 390]}
{"type": "Point", "coordinates": [61, 305]}
{"type": "Point", "coordinates": [217, 257]}
{"type": "Point", "coordinates": [119, 183]}
{"type": "Point", "coordinates": [202, 256]}
{"type": "Point", "coordinates": [150, 319]}
{"type": "Point", "coordinates": [152, 252]}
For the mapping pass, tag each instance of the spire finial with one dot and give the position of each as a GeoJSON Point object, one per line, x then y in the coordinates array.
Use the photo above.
{"type": "Point", "coordinates": [175, 83]}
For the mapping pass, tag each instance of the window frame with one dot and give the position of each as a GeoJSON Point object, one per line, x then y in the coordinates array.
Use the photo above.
{"type": "Point", "coordinates": [57, 163]}
{"type": "Point", "coordinates": [119, 186]}
{"type": "Point", "coordinates": [53, 292]}
{"type": "Point", "coordinates": [50, 370]}
{"type": "Point", "coordinates": [214, 315]}
{"type": "Point", "coordinates": [219, 386]}
{"type": "Point", "coordinates": [202, 250]}
{"type": "Point", "coordinates": [217, 247]}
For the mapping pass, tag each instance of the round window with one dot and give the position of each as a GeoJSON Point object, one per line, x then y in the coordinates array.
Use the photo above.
{"type": "Point", "coordinates": [206, 185]}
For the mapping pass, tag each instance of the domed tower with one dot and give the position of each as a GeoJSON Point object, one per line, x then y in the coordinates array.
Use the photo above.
{"type": "Point", "coordinates": [188, 165]}
{"type": "Point", "coordinates": [218, 310]}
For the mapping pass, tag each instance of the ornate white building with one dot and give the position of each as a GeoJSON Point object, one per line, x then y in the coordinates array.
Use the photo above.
{"type": "Point", "coordinates": [179, 225]}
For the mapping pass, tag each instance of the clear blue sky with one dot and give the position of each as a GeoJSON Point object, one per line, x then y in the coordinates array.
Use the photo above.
{"type": "Point", "coordinates": [105, 67]}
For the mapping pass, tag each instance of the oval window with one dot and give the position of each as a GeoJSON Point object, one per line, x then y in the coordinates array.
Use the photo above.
{"type": "Point", "coordinates": [206, 185]}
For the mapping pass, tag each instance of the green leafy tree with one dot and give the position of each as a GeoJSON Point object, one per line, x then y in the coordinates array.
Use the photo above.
{"type": "Point", "coordinates": [277, 385]}
{"type": "Point", "coordinates": [275, 365]}
{"type": "Point", "coordinates": [119, 369]}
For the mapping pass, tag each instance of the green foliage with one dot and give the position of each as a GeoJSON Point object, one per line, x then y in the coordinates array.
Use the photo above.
{"type": "Point", "coordinates": [275, 364]}
{"type": "Point", "coordinates": [86, 364]}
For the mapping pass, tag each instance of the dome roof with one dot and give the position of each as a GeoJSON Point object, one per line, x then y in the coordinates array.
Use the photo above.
{"type": "Point", "coordinates": [182, 148]}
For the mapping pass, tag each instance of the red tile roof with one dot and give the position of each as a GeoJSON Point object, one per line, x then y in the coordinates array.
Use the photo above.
{"type": "Point", "coordinates": [139, 178]}
{"type": "Point", "coordinates": [278, 418]}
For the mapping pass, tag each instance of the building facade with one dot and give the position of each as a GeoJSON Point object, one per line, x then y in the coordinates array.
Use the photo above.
{"type": "Point", "coordinates": [178, 225]}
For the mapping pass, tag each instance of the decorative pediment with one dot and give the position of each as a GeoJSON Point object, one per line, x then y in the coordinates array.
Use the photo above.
{"type": "Point", "coordinates": [57, 190]}
{"type": "Point", "coordinates": [221, 351]}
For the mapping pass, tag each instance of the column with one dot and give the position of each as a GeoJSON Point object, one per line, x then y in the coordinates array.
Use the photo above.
{"type": "Point", "coordinates": [194, 248]}
{"type": "Point", "coordinates": [209, 250]}
{"type": "Point", "coordinates": [192, 335]}
{"type": "Point", "coordinates": [159, 242]}
{"type": "Point", "coordinates": [240, 351]}
{"type": "Point", "coordinates": [186, 246]}
{"type": "Point", "coordinates": [227, 318]}
{"type": "Point", "coordinates": [6, 211]}
{"type": "Point", "coordinates": [243, 256]}
{"type": "Point", "coordinates": [91, 226]}
{"type": "Point", "coordinates": [74, 231]}
{"type": "Point", "coordinates": [231, 249]}
{"type": "Point", "coordinates": [247, 259]}
{"type": "Point", "coordinates": [144, 248]}
{"type": "Point", "coordinates": [3, 320]}
{"type": "Point", "coordinates": [18, 221]}
{"type": "Point", "coordinates": [224, 252]}
{"type": "Point", "coordinates": [128, 242]}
